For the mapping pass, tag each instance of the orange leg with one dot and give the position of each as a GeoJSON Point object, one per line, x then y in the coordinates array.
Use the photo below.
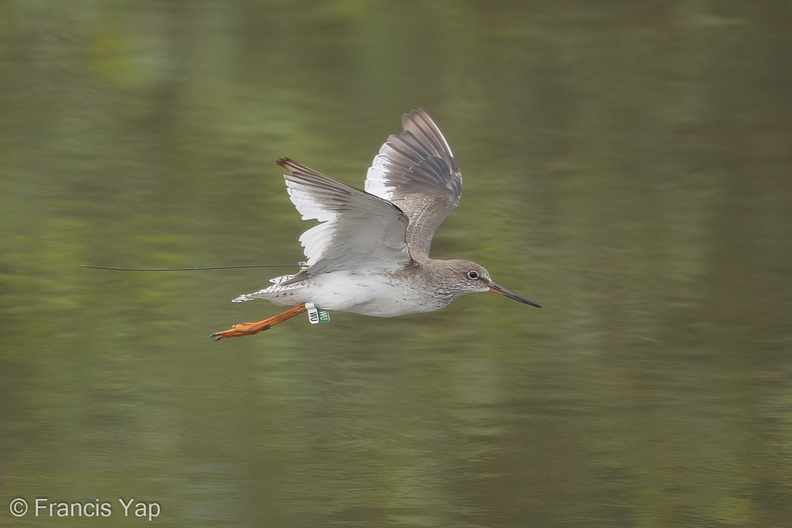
{"type": "Point", "coordinates": [246, 329]}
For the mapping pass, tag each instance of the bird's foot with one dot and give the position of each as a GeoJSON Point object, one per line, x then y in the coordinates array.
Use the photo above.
{"type": "Point", "coordinates": [246, 329]}
{"type": "Point", "coordinates": [241, 329]}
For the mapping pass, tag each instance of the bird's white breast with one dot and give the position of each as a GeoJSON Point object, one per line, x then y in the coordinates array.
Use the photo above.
{"type": "Point", "coordinates": [380, 294]}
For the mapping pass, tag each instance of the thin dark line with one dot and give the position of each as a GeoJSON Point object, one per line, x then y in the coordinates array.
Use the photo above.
{"type": "Point", "coordinates": [107, 268]}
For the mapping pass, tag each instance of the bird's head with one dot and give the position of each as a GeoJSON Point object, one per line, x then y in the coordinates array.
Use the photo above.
{"type": "Point", "coordinates": [466, 277]}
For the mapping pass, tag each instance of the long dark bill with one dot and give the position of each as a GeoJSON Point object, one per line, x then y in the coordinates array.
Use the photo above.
{"type": "Point", "coordinates": [494, 288]}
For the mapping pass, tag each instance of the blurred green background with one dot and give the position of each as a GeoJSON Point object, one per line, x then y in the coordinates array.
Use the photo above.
{"type": "Point", "coordinates": [628, 166]}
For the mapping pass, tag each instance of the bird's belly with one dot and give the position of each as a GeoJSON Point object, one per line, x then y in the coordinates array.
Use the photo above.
{"type": "Point", "coordinates": [378, 295]}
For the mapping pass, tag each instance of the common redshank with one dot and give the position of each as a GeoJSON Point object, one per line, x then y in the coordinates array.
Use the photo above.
{"type": "Point", "coordinates": [370, 252]}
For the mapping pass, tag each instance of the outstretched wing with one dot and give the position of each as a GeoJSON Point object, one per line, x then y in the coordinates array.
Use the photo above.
{"type": "Point", "coordinates": [416, 171]}
{"type": "Point", "coordinates": [357, 231]}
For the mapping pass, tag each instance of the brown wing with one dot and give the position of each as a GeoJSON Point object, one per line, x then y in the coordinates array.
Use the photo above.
{"type": "Point", "coordinates": [416, 171]}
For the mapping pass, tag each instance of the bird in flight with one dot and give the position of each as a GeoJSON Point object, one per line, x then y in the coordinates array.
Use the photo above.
{"type": "Point", "coordinates": [370, 252]}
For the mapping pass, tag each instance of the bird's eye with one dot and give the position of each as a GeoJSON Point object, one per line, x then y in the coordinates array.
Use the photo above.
{"type": "Point", "coordinates": [473, 274]}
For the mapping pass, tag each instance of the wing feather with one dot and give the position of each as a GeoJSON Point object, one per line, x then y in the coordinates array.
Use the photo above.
{"type": "Point", "coordinates": [358, 230]}
{"type": "Point", "coordinates": [417, 172]}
